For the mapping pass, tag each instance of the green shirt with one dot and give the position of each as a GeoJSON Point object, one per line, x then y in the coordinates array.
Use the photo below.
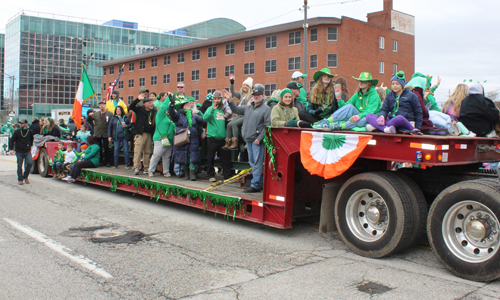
{"type": "Point", "coordinates": [164, 127]}
{"type": "Point", "coordinates": [216, 124]}
{"type": "Point", "coordinates": [303, 94]}
{"type": "Point", "coordinates": [7, 129]}
{"type": "Point", "coordinates": [366, 103]}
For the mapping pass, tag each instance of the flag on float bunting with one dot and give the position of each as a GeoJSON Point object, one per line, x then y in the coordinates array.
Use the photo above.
{"type": "Point", "coordinates": [330, 154]}
{"type": "Point", "coordinates": [84, 92]}
{"type": "Point", "coordinates": [112, 86]}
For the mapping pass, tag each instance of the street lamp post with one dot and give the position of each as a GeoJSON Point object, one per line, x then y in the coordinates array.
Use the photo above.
{"type": "Point", "coordinates": [305, 43]}
{"type": "Point", "coordinates": [11, 102]}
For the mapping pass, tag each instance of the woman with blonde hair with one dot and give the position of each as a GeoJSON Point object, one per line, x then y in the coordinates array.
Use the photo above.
{"type": "Point", "coordinates": [452, 106]}
{"type": "Point", "coordinates": [322, 102]}
{"type": "Point", "coordinates": [234, 126]}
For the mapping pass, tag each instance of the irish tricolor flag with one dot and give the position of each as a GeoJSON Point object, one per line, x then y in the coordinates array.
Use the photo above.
{"type": "Point", "coordinates": [84, 92]}
{"type": "Point", "coordinates": [330, 154]}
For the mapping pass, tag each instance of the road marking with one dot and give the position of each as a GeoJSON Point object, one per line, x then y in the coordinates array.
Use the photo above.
{"type": "Point", "coordinates": [59, 248]}
{"type": "Point", "coordinates": [7, 160]}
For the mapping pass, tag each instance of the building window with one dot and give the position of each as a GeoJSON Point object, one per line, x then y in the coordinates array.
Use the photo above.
{"type": "Point", "coordinates": [313, 61]}
{"type": "Point", "coordinates": [381, 42]}
{"type": "Point", "coordinates": [196, 54]}
{"type": "Point", "coordinates": [314, 34]}
{"type": "Point", "coordinates": [154, 80]}
{"type": "Point", "coordinates": [142, 65]}
{"type": "Point", "coordinates": [166, 60]}
{"type": "Point", "coordinates": [130, 83]}
{"type": "Point", "coordinates": [166, 78]}
{"type": "Point", "coordinates": [195, 94]}
{"type": "Point", "coordinates": [332, 33]}
{"type": "Point", "coordinates": [210, 91]}
{"type": "Point", "coordinates": [104, 86]}
{"type": "Point", "coordinates": [212, 73]}
{"type": "Point", "coordinates": [294, 63]}
{"type": "Point", "coordinates": [180, 57]}
{"type": "Point", "coordinates": [271, 42]}
{"type": "Point", "coordinates": [249, 68]}
{"type": "Point", "coordinates": [395, 46]}
{"type": "Point", "coordinates": [249, 45]}
{"type": "Point", "coordinates": [130, 99]}
{"type": "Point", "coordinates": [180, 77]}
{"type": "Point", "coordinates": [228, 70]}
{"type": "Point", "coordinates": [269, 89]}
{"type": "Point", "coordinates": [103, 71]}
{"type": "Point", "coordinates": [195, 75]}
{"type": "Point", "coordinates": [154, 62]}
{"type": "Point", "coordinates": [131, 66]}
{"type": "Point", "coordinates": [111, 70]}
{"type": "Point", "coordinates": [271, 66]}
{"type": "Point", "coordinates": [230, 49]}
{"type": "Point", "coordinates": [381, 69]}
{"type": "Point", "coordinates": [394, 68]}
{"type": "Point", "coordinates": [212, 51]}
{"type": "Point", "coordinates": [142, 81]}
{"type": "Point", "coordinates": [120, 84]}
{"type": "Point", "coordinates": [311, 85]}
{"type": "Point", "coordinates": [294, 38]}
{"type": "Point", "coordinates": [331, 61]}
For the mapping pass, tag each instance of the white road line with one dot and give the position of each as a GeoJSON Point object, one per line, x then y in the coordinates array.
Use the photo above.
{"type": "Point", "coordinates": [59, 248]}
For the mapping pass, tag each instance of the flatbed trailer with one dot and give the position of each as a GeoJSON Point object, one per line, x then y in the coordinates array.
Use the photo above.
{"type": "Point", "coordinates": [377, 208]}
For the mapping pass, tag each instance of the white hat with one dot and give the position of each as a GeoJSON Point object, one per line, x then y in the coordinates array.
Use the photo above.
{"type": "Point", "coordinates": [249, 82]}
{"type": "Point", "coordinates": [298, 74]}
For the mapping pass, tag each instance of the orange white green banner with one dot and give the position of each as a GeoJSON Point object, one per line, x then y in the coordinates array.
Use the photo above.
{"type": "Point", "coordinates": [330, 154]}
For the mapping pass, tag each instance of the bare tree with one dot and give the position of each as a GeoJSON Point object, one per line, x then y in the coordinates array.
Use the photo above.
{"type": "Point", "coordinates": [494, 95]}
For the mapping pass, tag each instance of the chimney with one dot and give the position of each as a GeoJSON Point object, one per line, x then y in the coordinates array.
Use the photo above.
{"type": "Point", "coordinates": [387, 5]}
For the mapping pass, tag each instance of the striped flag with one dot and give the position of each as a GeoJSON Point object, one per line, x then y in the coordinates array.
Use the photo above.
{"type": "Point", "coordinates": [84, 92]}
{"type": "Point", "coordinates": [112, 86]}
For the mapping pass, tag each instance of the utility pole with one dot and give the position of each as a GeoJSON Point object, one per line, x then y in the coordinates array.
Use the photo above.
{"type": "Point", "coordinates": [305, 43]}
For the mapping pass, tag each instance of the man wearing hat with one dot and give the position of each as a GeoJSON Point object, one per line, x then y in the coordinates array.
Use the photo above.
{"type": "Point", "coordinates": [100, 121]}
{"type": "Point", "coordinates": [257, 116]}
{"type": "Point", "coordinates": [299, 78]}
{"type": "Point", "coordinates": [21, 143]}
{"type": "Point", "coordinates": [296, 93]}
{"type": "Point", "coordinates": [143, 131]}
{"type": "Point", "coordinates": [114, 102]}
{"type": "Point", "coordinates": [8, 129]}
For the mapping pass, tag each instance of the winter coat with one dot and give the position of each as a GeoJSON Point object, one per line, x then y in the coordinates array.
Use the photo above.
{"type": "Point", "coordinates": [115, 129]}
{"type": "Point", "coordinates": [21, 141]}
{"type": "Point", "coordinates": [93, 153]}
{"type": "Point", "coordinates": [426, 123]}
{"type": "Point", "coordinates": [216, 123]}
{"type": "Point", "coordinates": [192, 149]}
{"type": "Point", "coordinates": [143, 117]}
{"type": "Point", "coordinates": [366, 103]}
{"type": "Point", "coordinates": [164, 126]}
{"type": "Point", "coordinates": [478, 114]}
{"type": "Point", "coordinates": [408, 107]}
{"type": "Point", "coordinates": [55, 132]}
{"type": "Point", "coordinates": [205, 105]}
{"type": "Point", "coordinates": [101, 126]}
{"type": "Point", "coordinates": [257, 118]}
{"type": "Point", "coordinates": [35, 127]}
{"type": "Point", "coordinates": [281, 114]}
{"type": "Point", "coordinates": [82, 136]}
{"type": "Point", "coordinates": [72, 127]}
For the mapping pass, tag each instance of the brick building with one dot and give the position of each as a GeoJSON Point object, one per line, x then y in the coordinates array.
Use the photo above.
{"type": "Point", "coordinates": [382, 45]}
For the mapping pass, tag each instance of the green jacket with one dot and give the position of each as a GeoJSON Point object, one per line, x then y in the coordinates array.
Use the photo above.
{"type": "Point", "coordinates": [281, 114]}
{"type": "Point", "coordinates": [303, 94]}
{"type": "Point", "coordinates": [93, 154]}
{"type": "Point", "coordinates": [216, 124]}
{"type": "Point", "coordinates": [7, 129]}
{"type": "Point", "coordinates": [430, 99]}
{"type": "Point", "coordinates": [164, 127]}
{"type": "Point", "coordinates": [158, 103]}
{"type": "Point", "coordinates": [59, 156]}
{"type": "Point", "coordinates": [100, 127]}
{"type": "Point", "coordinates": [366, 103]}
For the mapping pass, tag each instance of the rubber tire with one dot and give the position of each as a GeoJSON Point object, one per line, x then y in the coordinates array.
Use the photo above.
{"type": "Point", "coordinates": [43, 158]}
{"type": "Point", "coordinates": [483, 191]}
{"type": "Point", "coordinates": [34, 167]}
{"type": "Point", "coordinates": [400, 227]}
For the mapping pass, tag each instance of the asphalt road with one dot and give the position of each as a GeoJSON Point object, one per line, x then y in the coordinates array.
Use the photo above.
{"type": "Point", "coordinates": [54, 244]}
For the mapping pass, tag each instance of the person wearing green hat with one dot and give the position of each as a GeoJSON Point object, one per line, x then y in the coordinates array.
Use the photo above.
{"type": "Point", "coordinates": [353, 112]}
{"type": "Point", "coordinates": [424, 82]}
{"type": "Point", "coordinates": [299, 78]}
{"type": "Point", "coordinates": [284, 114]}
{"type": "Point", "coordinates": [7, 129]}
{"type": "Point", "coordinates": [50, 128]}
{"type": "Point", "coordinates": [274, 99]}
{"type": "Point", "coordinates": [322, 101]}
{"type": "Point", "coordinates": [160, 99]}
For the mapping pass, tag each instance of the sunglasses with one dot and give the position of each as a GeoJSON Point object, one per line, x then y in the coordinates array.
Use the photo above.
{"type": "Point", "coordinates": [180, 87]}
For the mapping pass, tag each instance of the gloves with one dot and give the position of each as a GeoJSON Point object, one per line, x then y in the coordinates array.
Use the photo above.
{"type": "Point", "coordinates": [231, 81]}
{"type": "Point", "coordinates": [355, 118]}
{"type": "Point", "coordinates": [171, 97]}
{"type": "Point", "coordinates": [318, 111]}
{"type": "Point", "coordinates": [304, 124]}
{"type": "Point", "coordinates": [381, 121]}
{"type": "Point", "coordinates": [292, 122]}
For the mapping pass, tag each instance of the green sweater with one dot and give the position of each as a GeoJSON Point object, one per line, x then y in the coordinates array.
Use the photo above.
{"type": "Point", "coordinates": [59, 156]}
{"type": "Point", "coordinates": [7, 129]}
{"type": "Point", "coordinates": [366, 103]}
{"type": "Point", "coordinates": [164, 127]}
{"type": "Point", "coordinates": [216, 124]}
{"type": "Point", "coordinates": [93, 154]}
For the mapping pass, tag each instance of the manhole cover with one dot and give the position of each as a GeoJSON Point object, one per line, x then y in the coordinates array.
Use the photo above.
{"type": "Point", "coordinates": [373, 288]}
{"type": "Point", "coordinates": [117, 237]}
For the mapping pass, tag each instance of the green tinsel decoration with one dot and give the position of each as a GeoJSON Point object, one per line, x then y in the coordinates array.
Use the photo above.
{"type": "Point", "coordinates": [270, 149]}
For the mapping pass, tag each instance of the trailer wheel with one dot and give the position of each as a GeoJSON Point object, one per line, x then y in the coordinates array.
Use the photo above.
{"type": "Point", "coordinates": [463, 229]}
{"type": "Point", "coordinates": [34, 167]}
{"type": "Point", "coordinates": [373, 214]}
{"type": "Point", "coordinates": [43, 163]}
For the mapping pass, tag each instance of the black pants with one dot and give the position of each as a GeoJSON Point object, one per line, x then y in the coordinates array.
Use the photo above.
{"type": "Point", "coordinates": [215, 146]}
{"type": "Point", "coordinates": [105, 153]}
{"type": "Point", "coordinates": [77, 168]}
{"type": "Point", "coordinates": [305, 116]}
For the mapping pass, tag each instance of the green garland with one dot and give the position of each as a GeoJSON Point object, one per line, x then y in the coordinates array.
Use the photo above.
{"type": "Point", "coordinates": [157, 189]}
{"type": "Point", "coordinates": [270, 149]}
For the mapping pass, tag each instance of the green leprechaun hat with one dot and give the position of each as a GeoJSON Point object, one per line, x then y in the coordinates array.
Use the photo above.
{"type": "Point", "coordinates": [324, 71]}
{"type": "Point", "coordinates": [365, 76]}
{"type": "Point", "coordinates": [181, 102]}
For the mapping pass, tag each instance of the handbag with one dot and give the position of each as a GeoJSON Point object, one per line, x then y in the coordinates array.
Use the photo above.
{"type": "Point", "coordinates": [165, 142]}
{"type": "Point", "coordinates": [181, 137]}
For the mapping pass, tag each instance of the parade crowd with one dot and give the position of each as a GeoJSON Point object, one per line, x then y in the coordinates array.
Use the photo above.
{"type": "Point", "coordinates": [171, 127]}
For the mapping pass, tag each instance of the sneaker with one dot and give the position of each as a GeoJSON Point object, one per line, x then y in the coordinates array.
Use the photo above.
{"type": "Point", "coordinates": [127, 166]}
{"type": "Point", "coordinates": [251, 189]}
{"type": "Point", "coordinates": [26, 180]}
{"type": "Point", "coordinates": [20, 183]}
{"type": "Point", "coordinates": [390, 129]}
{"type": "Point", "coordinates": [322, 125]}
{"type": "Point", "coordinates": [167, 174]}
{"type": "Point", "coordinates": [146, 172]}
{"type": "Point", "coordinates": [337, 126]}
{"type": "Point", "coordinates": [151, 174]}
{"type": "Point", "coordinates": [108, 165]}
{"type": "Point", "coordinates": [70, 180]}
{"type": "Point", "coordinates": [115, 167]}
{"type": "Point", "coordinates": [212, 179]}
{"type": "Point", "coordinates": [370, 127]}
{"type": "Point", "coordinates": [136, 171]}
{"type": "Point", "coordinates": [67, 178]}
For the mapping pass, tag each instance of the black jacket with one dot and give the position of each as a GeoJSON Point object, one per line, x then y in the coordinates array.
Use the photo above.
{"type": "Point", "coordinates": [478, 114]}
{"type": "Point", "coordinates": [143, 118]}
{"type": "Point", "coordinates": [205, 105]}
{"type": "Point", "coordinates": [22, 140]}
{"type": "Point", "coordinates": [35, 127]}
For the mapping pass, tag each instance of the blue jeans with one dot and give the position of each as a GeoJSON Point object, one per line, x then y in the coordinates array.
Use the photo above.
{"type": "Point", "coordinates": [256, 158]}
{"type": "Point", "coordinates": [124, 143]}
{"type": "Point", "coordinates": [346, 112]}
{"type": "Point", "coordinates": [28, 161]}
{"type": "Point", "coordinates": [178, 169]}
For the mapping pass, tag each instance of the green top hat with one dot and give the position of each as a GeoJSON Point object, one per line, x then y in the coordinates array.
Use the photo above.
{"type": "Point", "coordinates": [324, 71]}
{"type": "Point", "coordinates": [365, 76]}
{"type": "Point", "coordinates": [190, 99]}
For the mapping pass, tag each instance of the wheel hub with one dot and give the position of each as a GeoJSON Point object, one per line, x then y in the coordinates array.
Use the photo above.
{"type": "Point", "coordinates": [478, 229]}
{"type": "Point", "coordinates": [376, 213]}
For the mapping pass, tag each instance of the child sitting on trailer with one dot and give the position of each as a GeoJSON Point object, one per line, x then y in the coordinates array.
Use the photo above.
{"type": "Point", "coordinates": [70, 157]}
{"type": "Point", "coordinates": [58, 160]}
{"type": "Point", "coordinates": [401, 109]}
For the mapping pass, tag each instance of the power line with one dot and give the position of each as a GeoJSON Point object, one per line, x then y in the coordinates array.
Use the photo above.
{"type": "Point", "coordinates": [275, 18]}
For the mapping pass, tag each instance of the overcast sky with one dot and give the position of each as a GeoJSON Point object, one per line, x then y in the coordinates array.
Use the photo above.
{"type": "Point", "coordinates": [455, 39]}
